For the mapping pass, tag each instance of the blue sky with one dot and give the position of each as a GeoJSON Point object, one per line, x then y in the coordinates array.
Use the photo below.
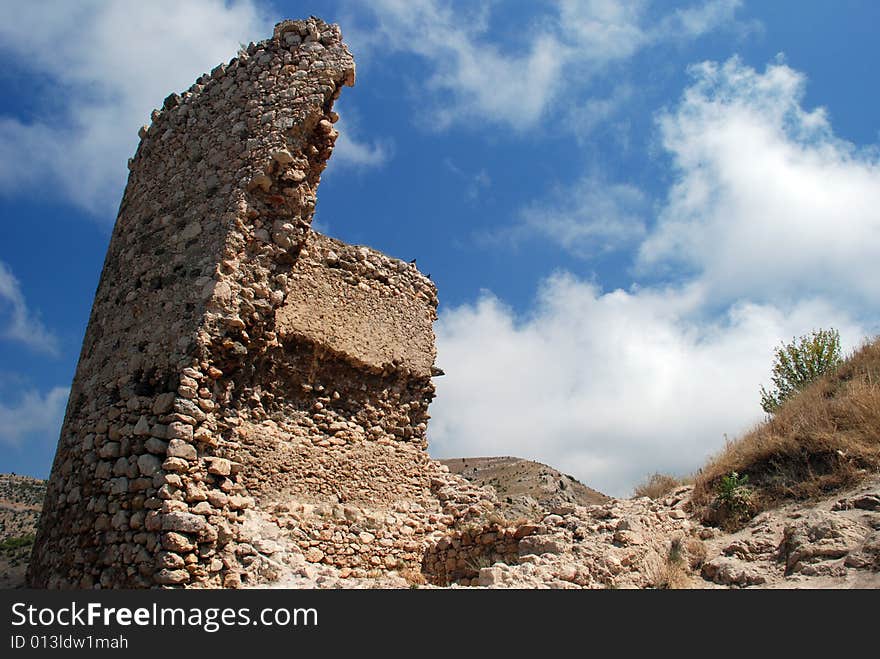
{"type": "Point", "coordinates": [625, 205]}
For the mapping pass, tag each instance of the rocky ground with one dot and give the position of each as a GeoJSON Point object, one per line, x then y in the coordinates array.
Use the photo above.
{"type": "Point", "coordinates": [618, 543]}
{"type": "Point", "coordinates": [21, 499]}
{"type": "Point", "coordinates": [639, 543]}
{"type": "Point", "coordinates": [644, 543]}
{"type": "Point", "coordinates": [832, 543]}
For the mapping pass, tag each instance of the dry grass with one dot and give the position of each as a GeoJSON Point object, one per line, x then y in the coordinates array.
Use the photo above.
{"type": "Point", "coordinates": [657, 486]}
{"type": "Point", "coordinates": [413, 577]}
{"type": "Point", "coordinates": [672, 571]}
{"type": "Point", "coordinates": [695, 550]}
{"type": "Point", "coordinates": [826, 437]}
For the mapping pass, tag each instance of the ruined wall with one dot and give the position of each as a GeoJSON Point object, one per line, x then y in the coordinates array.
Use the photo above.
{"type": "Point", "coordinates": [458, 555]}
{"type": "Point", "coordinates": [220, 194]}
{"type": "Point", "coordinates": [248, 391]}
{"type": "Point", "coordinates": [334, 417]}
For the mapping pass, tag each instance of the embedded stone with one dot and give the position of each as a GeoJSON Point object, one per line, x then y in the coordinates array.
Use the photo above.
{"type": "Point", "coordinates": [177, 448]}
{"type": "Point", "coordinates": [142, 427]}
{"type": "Point", "coordinates": [218, 466]}
{"type": "Point", "coordinates": [177, 542]}
{"type": "Point", "coordinates": [282, 157]}
{"type": "Point", "coordinates": [148, 464]}
{"type": "Point", "coordinates": [156, 446]}
{"type": "Point", "coordinates": [178, 430]}
{"type": "Point", "coordinates": [166, 576]}
{"type": "Point", "coordinates": [183, 522]}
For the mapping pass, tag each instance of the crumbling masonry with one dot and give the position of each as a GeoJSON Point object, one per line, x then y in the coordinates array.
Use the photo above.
{"type": "Point", "coordinates": [247, 389]}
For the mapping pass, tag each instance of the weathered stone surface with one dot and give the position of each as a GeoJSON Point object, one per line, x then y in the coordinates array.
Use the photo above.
{"type": "Point", "coordinates": [491, 576]}
{"type": "Point", "coordinates": [177, 448]}
{"type": "Point", "coordinates": [368, 324]}
{"type": "Point", "coordinates": [148, 464]}
{"type": "Point", "coordinates": [177, 542]}
{"type": "Point", "coordinates": [314, 555]}
{"type": "Point", "coordinates": [183, 522]}
{"type": "Point", "coordinates": [626, 538]}
{"type": "Point", "coordinates": [166, 576]}
{"type": "Point", "coordinates": [820, 536]}
{"type": "Point", "coordinates": [864, 501]}
{"type": "Point", "coordinates": [541, 544]}
{"type": "Point", "coordinates": [156, 446]}
{"type": "Point", "coordinates": [219, 466]}
{"type": "Point", "coordinates": [731, 572]}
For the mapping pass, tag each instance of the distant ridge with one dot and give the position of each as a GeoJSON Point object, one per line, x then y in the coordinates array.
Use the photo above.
{"type": "Point", "coordinates": [524, 487]}
{"type": "Point", "coordinates": [21, 499]}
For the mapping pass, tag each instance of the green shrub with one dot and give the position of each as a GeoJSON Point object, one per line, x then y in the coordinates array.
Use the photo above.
{"type": "Point", "coordinates": [734, 499]}
{"type": "Point", "coordinates": [11, 544]}
{"type": "Point", "coordinates": [800, 362]}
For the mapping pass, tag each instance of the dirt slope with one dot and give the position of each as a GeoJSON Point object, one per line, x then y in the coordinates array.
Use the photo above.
{"type": "Point", "coordinates": [524, 488]}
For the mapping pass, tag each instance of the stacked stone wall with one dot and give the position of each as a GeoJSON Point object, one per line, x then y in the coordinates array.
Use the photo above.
{"type": "Point", "coordinates": [458, 555]}
{"type": "Point", "coordinates": [220, 195]}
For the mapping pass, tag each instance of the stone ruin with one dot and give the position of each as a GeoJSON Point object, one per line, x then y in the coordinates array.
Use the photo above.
{"type": "Point", "coordinates": [248, 389]}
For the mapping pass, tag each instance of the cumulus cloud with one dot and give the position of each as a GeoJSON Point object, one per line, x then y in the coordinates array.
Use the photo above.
{"type": "Point", "coordinates": [473, 76]}
{"type": "Point", "coordinates": [34, 416]}
{"type": "Point", "coordinates": [106, 64]}
{"type": "Point", "coordinates": [17, 321]}
{"type": "Point", "coordinates": [105, 81]}
{"type": "Point", "coordinates": [770, 229]}
{"type": "Point", "coordinates": [609, 386]}
{"type": "Point", "coordinates": [768, 203]}
{"type": "Point", "coordinates": [353, 152]}
{"type": "Point", "coordinates": [588, 218]}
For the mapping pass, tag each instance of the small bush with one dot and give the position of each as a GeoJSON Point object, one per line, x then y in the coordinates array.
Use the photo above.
{"type": "Point", "coordinates": [11, 544]}
{"type": "Point", "coordinates": [799, 363]}
{"type": "Point", "coordinates": [677, 550]}
{"type": "Point", "coordinates": [477, 563]}
{"type": "Point", "coordinates": [657, 486]}
{"type": "Point", "coordinates": [734, 503]}
{"type": "Point", "coordinates": [734, 496]}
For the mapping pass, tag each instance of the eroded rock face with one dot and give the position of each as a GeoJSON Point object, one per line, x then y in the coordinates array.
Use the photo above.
{"type": "Point", "coordinates": [249, 393]}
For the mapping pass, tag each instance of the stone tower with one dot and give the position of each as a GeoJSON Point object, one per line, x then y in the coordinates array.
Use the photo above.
{"type": "Point", "coordinates": [246, 387]}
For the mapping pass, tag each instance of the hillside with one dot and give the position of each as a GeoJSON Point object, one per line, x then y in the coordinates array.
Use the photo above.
{"type": "Point", "coordinates": [523, 487]}
{"type": "Point", "coordinates": [21, 499]}
{"type": "Point", "coordinates": [825, 438]}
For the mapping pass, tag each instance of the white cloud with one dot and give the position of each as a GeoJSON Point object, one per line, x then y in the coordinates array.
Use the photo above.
{"type": "Point", "coordinates": [689, 22]}
{"type": "Point", "coordinates": [771, 229]}
{"type": "Point", "coordinates": [588, 218]}
{"type": "Point", "coordinates": [35, 417]}
{"type": "Point", "coordinates": [17, 321]}
{"type": "Point", "coordinates": [473, 76]}
{"type": "Point", "coordinates": [473, 184]}
{"type": "Point", "coordinates": [768, 203]}
{"type": "Point", "coordinates": [469, 72]}
{"type": "Point", "coordinates": [582, 119]}
{"type": "Point", "coordinates": [108, 64]}
{"type": "Point", "coordinates": [610, 386]}
{"type": "Point", "coordinates": [352, 152]}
